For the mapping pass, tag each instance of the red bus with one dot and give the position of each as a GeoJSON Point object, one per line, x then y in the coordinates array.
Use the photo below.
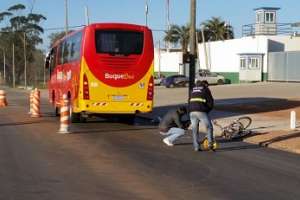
{"type": "Point", "coordinates": [104, 68]}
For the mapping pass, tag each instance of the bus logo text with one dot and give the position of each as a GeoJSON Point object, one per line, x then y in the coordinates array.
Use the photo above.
{"type": "Point", "coordinates": [125, 76]}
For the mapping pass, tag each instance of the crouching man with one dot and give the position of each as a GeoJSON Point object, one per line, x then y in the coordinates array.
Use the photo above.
{"type": "Point", "coordinates": [172, 125]}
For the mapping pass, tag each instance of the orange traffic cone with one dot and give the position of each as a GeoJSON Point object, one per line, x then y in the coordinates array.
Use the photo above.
{"type": "Point", "coordinates": [64, 116]}
{"type": "Point", "coordinates": [3, 102]}
{"type": "Point", "coordinates": [30, 101]}
{"type": "Point", "coordinates": [36, 104]}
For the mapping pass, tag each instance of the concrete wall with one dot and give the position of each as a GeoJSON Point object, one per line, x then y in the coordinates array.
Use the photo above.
{"type": "Point", "coordinates": [288, 43]}
{"type": "Point", "coordinates": [167, 61]}
{"type": "Point", "coordinates": [223, 56]}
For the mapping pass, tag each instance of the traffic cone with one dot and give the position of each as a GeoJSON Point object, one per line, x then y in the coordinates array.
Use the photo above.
{"type": "Point", "coordinates": [64, 116]}
{"type": "Point", "coordinates": [30, 101]}
{"type": "Point", "coordinates": [3, 102]}
{"type": "Point", "coordinates": [36, 104]}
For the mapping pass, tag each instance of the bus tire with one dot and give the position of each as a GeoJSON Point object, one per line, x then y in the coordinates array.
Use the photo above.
{"type": "Point", "coordinates": [75, 117]}
{"type": "Point", "coordinates": [56, 111]}
{"type": "Point", "coordinates": [220, 82]}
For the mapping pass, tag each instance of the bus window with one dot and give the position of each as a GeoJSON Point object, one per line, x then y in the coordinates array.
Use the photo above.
{"type": "Point", "coordinates": [60, 54]}
{"type": "Point", "coordinates": [119, 42]}
{"type": "Point", "coordinates": [65, 52]}
{"type": "Point", "coordinates": [74, 45]}
{"type": "Point", "coordinates": [52, 60]}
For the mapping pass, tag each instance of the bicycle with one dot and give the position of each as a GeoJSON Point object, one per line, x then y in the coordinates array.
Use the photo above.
{"type": "Point", "coordinates": [236, 129]}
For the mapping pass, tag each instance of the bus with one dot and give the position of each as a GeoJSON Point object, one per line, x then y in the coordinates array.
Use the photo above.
{"type": "Point", "coordinates": [104, 68]}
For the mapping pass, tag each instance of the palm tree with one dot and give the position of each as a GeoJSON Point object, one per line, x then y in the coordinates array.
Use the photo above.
{"type": "Point", "coordinates": [217, 29]}
{"type": "Point", "coordinates": [178, 34]}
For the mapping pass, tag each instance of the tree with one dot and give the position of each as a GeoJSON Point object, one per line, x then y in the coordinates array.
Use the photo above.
{"type": "Point", "coordinates": [20, 27]}
{"type": "Point", "coordinates": [178, 34]}
{"type": "Point", "coordinates": [216, 29]}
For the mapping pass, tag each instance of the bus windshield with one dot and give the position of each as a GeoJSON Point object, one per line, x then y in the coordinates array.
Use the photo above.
{"type": "Point", "coordinates": [118, 42]}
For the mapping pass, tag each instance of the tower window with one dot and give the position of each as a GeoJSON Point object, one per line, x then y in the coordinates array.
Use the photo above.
{"type": "Point", "coordinates": [269, 16]}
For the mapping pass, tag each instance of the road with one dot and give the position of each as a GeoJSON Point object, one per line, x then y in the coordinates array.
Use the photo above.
{"type": "Point", "coordinates": [111, 160]}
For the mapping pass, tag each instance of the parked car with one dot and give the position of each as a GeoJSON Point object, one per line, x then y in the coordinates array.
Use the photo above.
{"type": "Point", "coordinates": [210, 77]}
{"type": "Point", "coordinates": [176, 81]}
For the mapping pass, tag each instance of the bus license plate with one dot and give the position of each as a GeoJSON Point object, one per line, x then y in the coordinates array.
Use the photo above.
{"type": "Point", "coordinates": [118, 97]}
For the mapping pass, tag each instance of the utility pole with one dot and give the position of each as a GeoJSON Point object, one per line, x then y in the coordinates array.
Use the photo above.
{"type": "Point", "coordinates": [168, 14]}
{"type": "Point", "coordinates": [159, 59]}
{"type": "Point", "coordinates": [87, 17]}
{"type": "Point", "coordinates": [13, 66]}
{"type": "Point", "coordinates": [192, 46]}
{"type": "Point", "coordinates": [25, 62]}
{"type": "Point", "coordinates": [146, 12]}
{"type": "Point", "coordinates": [66, 17]}
{"type": "Point", "coordinates": [168, 25]}
{"type": "Point", "coordinates": [205, 50]}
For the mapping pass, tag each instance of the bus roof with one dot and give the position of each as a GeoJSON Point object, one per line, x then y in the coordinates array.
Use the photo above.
{"type": "Point", "coordinates": [104, 26]}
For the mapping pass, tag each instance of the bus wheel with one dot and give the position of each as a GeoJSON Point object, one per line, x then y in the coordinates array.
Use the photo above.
{"type": "Point", "coordinates": [56, 111]}
{"type": "Point", "coordinates": [78, 118]}
{"type": "Point", "coordinates": [75, 117]}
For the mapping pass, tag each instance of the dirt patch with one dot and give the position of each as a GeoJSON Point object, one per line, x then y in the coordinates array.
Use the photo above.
{"type": "Point", "coordinates": [271, 112]}
{"type": "Point", "coordinates": [281, 139]}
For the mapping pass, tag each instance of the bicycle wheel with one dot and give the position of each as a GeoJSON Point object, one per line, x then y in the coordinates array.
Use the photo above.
{"type": "Point", "coordinates": [245, 121]}
{"type": "Point", "coordinates": [233, 130]}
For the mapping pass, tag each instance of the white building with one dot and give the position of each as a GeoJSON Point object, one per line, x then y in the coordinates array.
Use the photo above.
{"type": "Point", "coordinates": [168, 62]}
{"type": "Point", "coordinates": [244, 59]}
{"type": "Point", "coordinates": [247, 58]}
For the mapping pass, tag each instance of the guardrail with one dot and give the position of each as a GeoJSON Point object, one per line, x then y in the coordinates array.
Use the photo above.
{"type": "Point", "coordinates": [270, 29]}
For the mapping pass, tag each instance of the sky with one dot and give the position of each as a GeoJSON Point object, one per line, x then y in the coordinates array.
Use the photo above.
{"type": "Point", "coordinates": [234, 12]}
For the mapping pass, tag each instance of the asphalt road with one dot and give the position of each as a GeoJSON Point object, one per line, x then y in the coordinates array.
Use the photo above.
{"type": "Point", "coordinates": [111, 160]}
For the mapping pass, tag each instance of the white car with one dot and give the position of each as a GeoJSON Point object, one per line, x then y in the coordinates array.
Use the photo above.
{"type": "Point", "coordinates": [158, 80]}
{"type": "Point", "coordinates": [210, 77]}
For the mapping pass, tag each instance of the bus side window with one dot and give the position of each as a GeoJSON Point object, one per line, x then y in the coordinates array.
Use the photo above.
{"type": "Point", "coordinates": [52, 60]}
{"type": "Point", "coordinates": [65, 53]}
{"type": "Point", "coordinates": [60, 54]}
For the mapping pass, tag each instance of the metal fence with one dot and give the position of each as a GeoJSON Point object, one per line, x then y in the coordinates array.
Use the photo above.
{"type": "Point", "coordinates": [269, 29]}
{"type": "Point", "coordinates": [284, 66]}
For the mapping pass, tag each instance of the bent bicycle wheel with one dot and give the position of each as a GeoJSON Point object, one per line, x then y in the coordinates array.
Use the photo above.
{"type": "Point", "coordinates": [234, 130]}
{"type": "Point", "coordinates": [245, 121]}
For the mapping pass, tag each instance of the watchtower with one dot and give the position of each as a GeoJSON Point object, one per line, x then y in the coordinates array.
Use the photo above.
{"type": "Point", "coordinates": [266, 22]}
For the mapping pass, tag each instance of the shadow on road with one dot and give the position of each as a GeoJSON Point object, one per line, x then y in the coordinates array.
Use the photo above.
{"type": "Point", "coordinates": [256, 105]}
{"type": "Point", "coordinates": [237, 106]}
{"type": "Point", "coordinates": [21, 123]}
{"type": "Point", "coordinates": [110, 130]}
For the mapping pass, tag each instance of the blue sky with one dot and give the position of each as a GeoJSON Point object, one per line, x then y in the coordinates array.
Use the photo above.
{"type": "Point", "coordinates": [236, 12]}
